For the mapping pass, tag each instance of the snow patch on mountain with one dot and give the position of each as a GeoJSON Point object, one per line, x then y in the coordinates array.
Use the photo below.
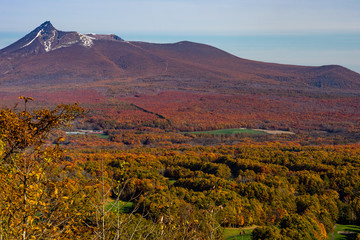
{"type": "Point", "coordinates": [64, 45]}
{"type": "Point", "coordinates": [47, 43]}
{"type": "Point", "coordinates": [86, 40]}
{"type": "Point", "coordinates": [46, 38]}
{"type": "Point", "coordinates": [50, 43]}
{"type": "Point", "coordinates": [37, 35]}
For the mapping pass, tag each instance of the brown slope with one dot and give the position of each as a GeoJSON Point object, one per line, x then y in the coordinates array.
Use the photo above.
{"type": "Point", "coordinates": [183, 65]}
{"type": "Point", "coordinates": [108, 60]}
{"type": "Point", "coordinates": [65, 65]}
{"type": "Point", "coordinates": [238, 69]}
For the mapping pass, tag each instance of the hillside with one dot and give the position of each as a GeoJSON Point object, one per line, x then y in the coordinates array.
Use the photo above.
{"type": "Point", "coordinates": [47, 57]}
{"type": "Point", "coordinates": [182, 86]}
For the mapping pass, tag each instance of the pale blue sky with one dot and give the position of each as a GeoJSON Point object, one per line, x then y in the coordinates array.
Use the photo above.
{"type": "Point", "coordinates": [307, 32]}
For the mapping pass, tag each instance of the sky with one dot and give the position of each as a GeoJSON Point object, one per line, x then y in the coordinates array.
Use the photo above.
{"type": "Point", "coordinates": [302, 32]}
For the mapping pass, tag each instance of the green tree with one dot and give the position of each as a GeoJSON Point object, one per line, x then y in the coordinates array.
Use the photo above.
{"type": "Point", "coordinates": [266, 233]}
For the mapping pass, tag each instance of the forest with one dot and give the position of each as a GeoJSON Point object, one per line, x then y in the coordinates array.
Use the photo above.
{"type": "Point", "coordinates": [148, 181]}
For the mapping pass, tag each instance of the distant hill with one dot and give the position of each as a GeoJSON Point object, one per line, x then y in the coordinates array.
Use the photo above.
{"type": "Point", "coordinates": [47, 57]}
{"type": "Point", "coordinates": [182, 86]}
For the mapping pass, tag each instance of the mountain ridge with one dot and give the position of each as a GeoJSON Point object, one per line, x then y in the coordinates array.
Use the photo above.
{"type": "Point", "coordinates": [51, 39]}
{"type": "Point", "coordinates": [52, 57]}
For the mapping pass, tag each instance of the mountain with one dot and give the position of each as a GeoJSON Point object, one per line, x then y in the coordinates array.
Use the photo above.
{"type": "Point", "coordinates": [46, 38]}
{"type": "Point", "coordinates": [47, 57]}
{"type": "Point", "coordinates": [182, 86]}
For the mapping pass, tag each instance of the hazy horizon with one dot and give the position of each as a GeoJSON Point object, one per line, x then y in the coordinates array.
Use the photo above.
{"type": "Point", "coordinates": [308, 50]}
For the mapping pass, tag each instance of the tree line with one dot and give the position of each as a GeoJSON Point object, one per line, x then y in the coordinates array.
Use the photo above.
{"type": "Point", "coordinates": [174, 192]}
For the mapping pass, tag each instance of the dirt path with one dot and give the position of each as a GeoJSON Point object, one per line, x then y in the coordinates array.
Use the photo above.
{"type": "Point", "coordinates": [274, 131]}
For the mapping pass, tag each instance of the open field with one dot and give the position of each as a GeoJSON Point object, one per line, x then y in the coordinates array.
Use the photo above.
{"type": "Point", "coordinates": [344, 232]}
{"type": "Point", "coordinates": [229, 131]}
{"type": "Point", "coordinates": [235, 233]}
{"type": "Point", "coordinates": [274, 131]}
{"type": "Point", "coordinates": [103, 136]}
{"type": "Point", "coordinates": [120, 206]}
{"type": "Point", "coordinates": [242, 130]}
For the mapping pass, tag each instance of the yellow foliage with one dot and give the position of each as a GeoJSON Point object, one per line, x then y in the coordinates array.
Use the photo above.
{"type": "Point", "coordinates": [27, 206]}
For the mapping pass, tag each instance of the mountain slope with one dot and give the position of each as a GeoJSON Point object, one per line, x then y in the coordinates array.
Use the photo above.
{"type": "Point", "coordinates": [47, 56]}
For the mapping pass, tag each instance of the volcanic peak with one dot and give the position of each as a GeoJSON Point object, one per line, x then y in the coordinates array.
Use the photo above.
{"type": "Point", "coordinates": [46, 38]}
{"type": "Point", "coordinates": [46, 26]}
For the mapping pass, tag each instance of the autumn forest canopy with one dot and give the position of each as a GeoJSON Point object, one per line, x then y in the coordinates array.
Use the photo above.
{"type": "Point", "coordinates": [117, 139]}
{"type": "Point", "coordinates": [147, 179]}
